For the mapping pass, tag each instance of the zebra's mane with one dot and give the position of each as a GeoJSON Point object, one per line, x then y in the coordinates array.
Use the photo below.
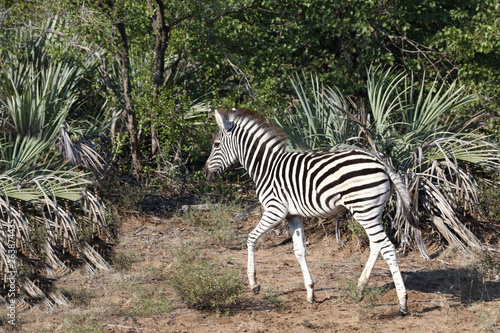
{"type": "Point", "coordinates": [247, 116]}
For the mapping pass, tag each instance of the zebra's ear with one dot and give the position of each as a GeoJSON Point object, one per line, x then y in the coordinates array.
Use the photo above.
{"type": "Point", "coordinates": [223, 122]}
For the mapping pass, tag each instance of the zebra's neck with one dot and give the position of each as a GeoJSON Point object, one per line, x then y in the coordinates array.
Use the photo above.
{"type": "Point", "coordinates": [257, 148]}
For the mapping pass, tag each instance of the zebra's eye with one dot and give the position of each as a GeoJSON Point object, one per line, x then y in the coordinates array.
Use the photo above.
{"type": "Point", "coordinates": [216, 144]}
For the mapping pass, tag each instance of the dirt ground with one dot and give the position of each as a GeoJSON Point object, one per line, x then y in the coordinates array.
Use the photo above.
{"type": "Point", "coordinates": [443, 295]}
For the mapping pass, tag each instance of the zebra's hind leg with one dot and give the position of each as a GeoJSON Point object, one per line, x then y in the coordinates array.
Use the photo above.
{"type": "Point", "coordinates": [297, 230]}
{"type": "Point", "coordinates": [372, 259]}
{"type": "Point", "coordinates": [388, 251]}
{"type": "Point", "coordinates": [380, 243]}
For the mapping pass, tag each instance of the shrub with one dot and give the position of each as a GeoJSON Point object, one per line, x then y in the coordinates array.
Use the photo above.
{"type": "Point", "coordinates": [52, 121]}
{"type": "Point", "coordinates": [201, 283]}
{"type": "Point", "coordinates": [488, 264]}
{"type": "Point", "coordinates": [425, 128]}
{"type": "Point", "coordinates": [367, 298]}
{"type": "Point", "coordinates": [276, 298]}
{"type": "Point", "coordinates": [473, 277]}
{"type": "Point", "coordinates": [490, 199]}
{"type": "Point", "coordinates": [123, 261]}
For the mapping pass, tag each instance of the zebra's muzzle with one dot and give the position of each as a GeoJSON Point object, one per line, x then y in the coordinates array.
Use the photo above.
{"type": "Point", "coordinates": [209, 175]}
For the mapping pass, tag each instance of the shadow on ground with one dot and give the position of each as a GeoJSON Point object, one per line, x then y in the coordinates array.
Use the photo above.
{"type": "Point", "coordinates": [463, 284]}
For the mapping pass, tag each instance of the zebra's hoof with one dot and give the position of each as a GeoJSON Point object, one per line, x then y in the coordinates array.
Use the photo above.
{"type": "Point", "coordinates": [403, 311]}
{"type": "Point", "coordinates": [311, 300]}
{"type": "Point", "coordinates": [256, 289]}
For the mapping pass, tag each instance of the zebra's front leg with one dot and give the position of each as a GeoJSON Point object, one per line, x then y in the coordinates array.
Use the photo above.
{"type": "Point", "coordinates": [252, 279]}
{"type": "Point", "coordinates": [297, 230]}
{"type": "Point", "coordinates": [269, 219]}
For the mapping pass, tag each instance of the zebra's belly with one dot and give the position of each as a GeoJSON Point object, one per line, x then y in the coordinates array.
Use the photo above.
{"type": "Point", "coordinates": [315, 211]}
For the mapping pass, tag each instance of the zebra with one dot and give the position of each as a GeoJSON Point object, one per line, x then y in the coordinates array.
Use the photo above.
{"type": "Point", "coordinates": [293, 185]}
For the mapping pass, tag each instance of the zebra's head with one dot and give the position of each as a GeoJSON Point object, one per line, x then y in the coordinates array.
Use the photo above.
{"type": "Point", "coordinates": [223, 153]}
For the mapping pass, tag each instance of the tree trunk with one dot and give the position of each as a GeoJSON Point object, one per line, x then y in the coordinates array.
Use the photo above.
{"type": "Point", "coordinates": [129, 112]}
{"type": "Point", "coordinates": [162, 34]}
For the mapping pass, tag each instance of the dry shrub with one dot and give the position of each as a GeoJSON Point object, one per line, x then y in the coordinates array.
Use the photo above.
{"type": "Point", "coordinates": [201, 283]}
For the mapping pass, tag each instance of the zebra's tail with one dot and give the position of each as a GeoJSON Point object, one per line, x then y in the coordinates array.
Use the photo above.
{"type": "Point", "coordinates": [403, 207]}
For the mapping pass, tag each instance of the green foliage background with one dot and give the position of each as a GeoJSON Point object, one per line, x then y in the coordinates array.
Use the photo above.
{"type": "Point", "coordinates": [245, 52]}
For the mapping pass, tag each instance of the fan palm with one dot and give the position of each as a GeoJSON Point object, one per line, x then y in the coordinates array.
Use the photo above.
{"type": "Point", "coordinates": [317, 122]}
{"type": "Point", "coordinates": [420, 130]}
{"type": "Point", "coordinates": [45, 207]}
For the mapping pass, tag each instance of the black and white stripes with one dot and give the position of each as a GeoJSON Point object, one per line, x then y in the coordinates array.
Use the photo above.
{"type": "Point", "coordinates": [294, 185]}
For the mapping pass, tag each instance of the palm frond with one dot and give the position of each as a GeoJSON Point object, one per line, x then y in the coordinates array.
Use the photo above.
{"type": "Point", "coordinates": [383, 95]}
{"type": "Point", "coordinates": [80, 153]}
{"type": "Point", "coordinates": [96, 214]}
{"type": "Point", "coordinates": [24, 152]}
{"type": "Point", "coordinates": [93, 259]}
{"type": "Point", "coordinates": [431, 110]}
{"type": "Point", "coordinates": [438, 206]}
{"type": "Point", "coordinates": [470, 148]}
